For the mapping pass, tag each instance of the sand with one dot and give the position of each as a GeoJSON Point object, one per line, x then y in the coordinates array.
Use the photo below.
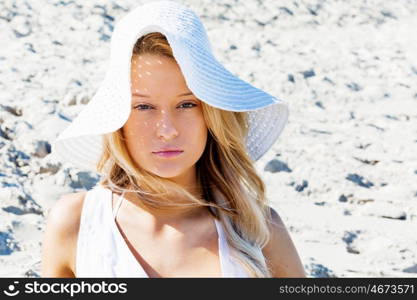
{"type": "Point", "coordinates": [343, 174]}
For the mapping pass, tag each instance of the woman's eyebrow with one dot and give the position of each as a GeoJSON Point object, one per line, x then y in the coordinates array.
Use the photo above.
{"type": "Point", "coordinates": [147, 96]}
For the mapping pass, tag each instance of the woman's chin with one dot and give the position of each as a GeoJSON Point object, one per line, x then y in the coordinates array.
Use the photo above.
{"type": "Point", "coordinates": [168, 174]}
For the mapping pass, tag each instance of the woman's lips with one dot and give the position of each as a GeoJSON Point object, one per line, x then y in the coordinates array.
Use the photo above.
{"type": "Point", "coordinates": [168, 154]}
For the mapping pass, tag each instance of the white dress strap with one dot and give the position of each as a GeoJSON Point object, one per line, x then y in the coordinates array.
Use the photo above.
{"type": "Point", "coordinates": [95, 246]}
{"type": "Point", "coordinates": [230, 266]}
{"type": "Point", "coordinates": [118, 205]}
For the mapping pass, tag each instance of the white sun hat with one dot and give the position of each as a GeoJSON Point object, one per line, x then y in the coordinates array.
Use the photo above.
{"type": "Point", "coordinates": [80, 143]}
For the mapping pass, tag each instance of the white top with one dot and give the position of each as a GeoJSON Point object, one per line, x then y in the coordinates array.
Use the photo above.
{"type": "Point", "coordinates": [103, 252]}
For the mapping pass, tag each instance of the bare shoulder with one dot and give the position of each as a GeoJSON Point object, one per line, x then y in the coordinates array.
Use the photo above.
{"type": "Point", "coordinates": [60, 237]}
{"type": "Point", "coordinates": [280, 251]}
{"type": "Point", "coordinates": [66, 212]}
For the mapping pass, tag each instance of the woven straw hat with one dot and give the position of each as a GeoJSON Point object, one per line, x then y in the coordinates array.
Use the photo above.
{"type": "Point", "coordinates": [81, 142]}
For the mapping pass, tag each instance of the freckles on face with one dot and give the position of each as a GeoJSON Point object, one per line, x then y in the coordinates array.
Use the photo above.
{"type": "Point", "coordinates": [165, 113]}
{"type": "Point", "coordinates": [136, 131]}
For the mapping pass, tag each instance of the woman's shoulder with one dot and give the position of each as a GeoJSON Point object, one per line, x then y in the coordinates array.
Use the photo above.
{"type": "Point", "coordinates": [280, 250]}
{"type": "Point", "coordinates": [61, 235]}
{"type": "Point", "coordinates": [66, 211]}
{"type": "Point", "coordinates": [64, 216]}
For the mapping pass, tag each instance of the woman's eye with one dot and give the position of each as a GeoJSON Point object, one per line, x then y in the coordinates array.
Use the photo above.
{"type": "Point", "coordinates": [140, 106]}
{"type": "Point", "coordinates": [146, 107]}
{"type": "Point", "coordinates": [192, 104]}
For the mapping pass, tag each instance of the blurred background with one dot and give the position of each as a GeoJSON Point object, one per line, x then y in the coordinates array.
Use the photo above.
{"type": "Point", "coordinates": [343, 174]}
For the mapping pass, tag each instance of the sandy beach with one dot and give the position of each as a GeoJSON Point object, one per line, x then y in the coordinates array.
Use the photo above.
{"type": "Point", "coordinates": [343, 174]}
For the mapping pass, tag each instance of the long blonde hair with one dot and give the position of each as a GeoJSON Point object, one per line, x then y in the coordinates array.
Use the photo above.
{"type": "Point", "coordinates": [227, 176]}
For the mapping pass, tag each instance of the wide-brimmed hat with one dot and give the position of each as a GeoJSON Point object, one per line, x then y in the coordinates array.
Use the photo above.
{"type": "Point", "coordinates": [81, 142]}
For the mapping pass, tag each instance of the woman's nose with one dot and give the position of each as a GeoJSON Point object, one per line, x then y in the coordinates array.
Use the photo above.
{"type": "Point", "coordinates": [165, 127]}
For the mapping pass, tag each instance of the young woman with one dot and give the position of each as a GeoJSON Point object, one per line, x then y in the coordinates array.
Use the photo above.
{"type": "Point", "coordinates": [175, 137]}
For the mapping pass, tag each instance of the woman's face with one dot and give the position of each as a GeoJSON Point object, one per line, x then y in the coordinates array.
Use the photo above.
{"type": "Point", "coordinates": [164, 115]}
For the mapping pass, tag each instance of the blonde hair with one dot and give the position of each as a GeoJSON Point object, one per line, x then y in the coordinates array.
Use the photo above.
{"type": "Point", "coordinates": [227, 176]}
